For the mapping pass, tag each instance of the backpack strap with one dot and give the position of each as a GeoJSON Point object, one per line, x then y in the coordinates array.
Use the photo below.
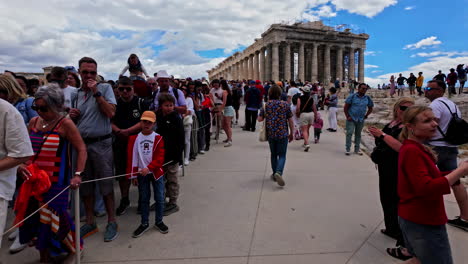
{"type": "Point", "coordinates": [438, 127]}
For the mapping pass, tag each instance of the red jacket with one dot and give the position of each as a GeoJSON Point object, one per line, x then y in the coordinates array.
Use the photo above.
{"type": "Point", "coordinates": [158, 157]}
{"type": "Point", "coordinates": [421, 186]}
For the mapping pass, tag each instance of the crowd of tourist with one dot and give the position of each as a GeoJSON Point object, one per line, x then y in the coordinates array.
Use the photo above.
{"type": "Point", "coordinates": [77, 127]}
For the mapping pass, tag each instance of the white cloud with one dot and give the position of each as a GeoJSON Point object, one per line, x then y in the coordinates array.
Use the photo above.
{"type": "Point", "coordinates": [430, 41]}
{"type": "Point", "coordinates": [409, 8]}
{"type": "Point", "coordinates": [439, 53]}
{"type": "Point", "coordinates": [370, 53]}
{"type": "Point", "coordinates": [370, 66]}
{"type": "Point", "coordinates": [38, 34]}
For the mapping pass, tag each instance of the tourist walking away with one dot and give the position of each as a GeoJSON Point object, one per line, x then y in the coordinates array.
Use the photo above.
{"type": "Point", "coordinates": [126, 122]}
{"type": "Point", "coordinates": [392, 86]}
{"type": "Point", "coordinates": [421, 186]}
{"type": "Point", "coordinates": [440, 76]}
{"type": "Point", "coordinates": [318, 125]}
{"type": "Point", "coordinates": [385, 156]}
{"type": "Point", "coordinates": [451, 80]}
{"type": "Point", "coordinates": [171, 128]}
{"type": "Point", "coordinates": [93, 106]}
{"type": "Point", "coordinates": [237, 94]}
{"type": "Point", "coordinates": [461, 72]}
{"type": "Point", "coordinates": [253, 102]}
{"type": "Point", "coordinates": [332, 103]}
{"type": "Point", "coordinates": [228, 113]}
{"type": "Point", "coordinates": [15, 149]}
{"type": "Point", "coordinates": [307, 113]}
{"type": "Point", "coordinates": [277, 116]}
{"type": "Point", "coordinates": [411, 83]}
{"type": "Point", "coordinates": [146, 158]}
{"type": "Point", "coordinates": [135, 67]}
{"type": "Point", "coordinates": [419, 83]}
{"type": "Point", "coordinates": [447, 152]}
{"type": "Point", "coordinates": [401, 84]}
{"type": "Point", "coordinates": [52, 137]}
{"type": "Point", "coordinates": [357, 108]}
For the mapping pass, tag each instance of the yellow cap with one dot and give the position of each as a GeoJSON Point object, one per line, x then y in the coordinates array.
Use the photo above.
{"type": "Point", "coordinates": [148, 116]}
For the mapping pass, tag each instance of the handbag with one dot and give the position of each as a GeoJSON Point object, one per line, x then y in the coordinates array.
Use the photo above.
{"type": "Point", "coordinates": [188, 120]}
{"type": "Point", "coordinates": [262, 136]}
{"type": "Point", "coordinates": [378, 154]}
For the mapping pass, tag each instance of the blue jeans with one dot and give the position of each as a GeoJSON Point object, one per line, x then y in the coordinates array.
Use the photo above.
{"type": "Point", "coordinates": [356, 128]}
{"type": "Point", "coordinates": [278, 149]}
{"type": "Point", "coordinates": [144, 188]}
{"type": "Point", "coordinates": [428, 243]}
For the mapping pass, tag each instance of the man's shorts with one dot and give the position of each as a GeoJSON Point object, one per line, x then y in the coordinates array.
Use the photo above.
{"type": "Point", "coordinates": [306, 119]}
{"type": "Point", "coordinates": [411, 87]}
{"type": "Point", "coordinates": [401, 86]}
{"type": "Point", "coordinates": [98, 165]}
{"type": "Point", "coordinates": [447, 159]}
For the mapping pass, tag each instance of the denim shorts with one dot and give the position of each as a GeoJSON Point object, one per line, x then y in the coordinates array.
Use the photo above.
{"type": "Point", "coordinates": [228, 111]}
{"type": "Point", "coordinates": [428, 243]}
{"type": "Point", "coordinates": [447, 159]}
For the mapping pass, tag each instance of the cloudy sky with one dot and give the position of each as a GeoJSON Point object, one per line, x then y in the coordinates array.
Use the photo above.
{"type": "Point", "coordinates": [187, 37]}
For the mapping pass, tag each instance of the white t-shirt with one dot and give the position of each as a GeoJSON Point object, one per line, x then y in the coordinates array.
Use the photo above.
{"type": "Point", "coordinates": [14, 143]}
{"type": "Point", "coordinates": [67, 91]}
{"type": "Point", "coordinates": [189, 102]}
{"type": "Point", "coordinates": [219, 92]}
{"type": "Point", "coordinates": [143, 150]}
{"type": "Point", "coordinates": [443, 114]}
{"type": "Point", "coordinates": [292, 91]}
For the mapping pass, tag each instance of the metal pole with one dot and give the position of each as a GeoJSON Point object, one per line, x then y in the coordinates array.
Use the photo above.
{"type": "Point", "coordinates": [77, 226]}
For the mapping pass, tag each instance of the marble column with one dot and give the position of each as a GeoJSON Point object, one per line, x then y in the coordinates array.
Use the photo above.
{"type": "Point", "coordinates": [275, 62]}
{"type": "Point", "coordinates": [256, 65]}
{"type": "Point", "coordinates": [250, 73]}
{"type": "Point", "coordinates": [287, 62]}
{"type": "Point", "coordinates": [314, 68]}
{"type": "Point", "coordinates": [361, 66]}
{"type": "Point", "coordinates": [301, 64]}
{"type": "Point", "coordinates": [352, 70]}
{"type": "Point", "coordinates": [268, 63]}
{"type": "Point", "coordinates": [245, 66]}
{"type": "Point", "coordinates": [326, 66]}
{"type": "Point", "coordinates": [339, 63]}
{"type": "Point", "coordinates": [262, 64]}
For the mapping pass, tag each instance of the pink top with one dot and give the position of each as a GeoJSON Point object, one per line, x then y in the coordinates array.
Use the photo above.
{"type": "Point", "coordinates": [318, 123]}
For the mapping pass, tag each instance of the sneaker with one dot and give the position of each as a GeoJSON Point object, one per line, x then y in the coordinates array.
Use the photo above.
{"type": "Point", "coordinates": [111, 232]}
{"type": "Point", "coordinates": [124, 204]}
{"type": "Point", "coordinates": [13, 235]}
{"type": "Point", "coordinates": [458, 222]}
{"type": "Point", "coordinates": [186, 163]}
{"type": "Point", "coordinates": [225, 141]}
{"type": "Point", "coordinates": [100, 214]}
{"type": "Point", "coordinates": [161, 227]}
{"type": "Point", "coordinates": [272, 177]}
{"type": "Point", "coordinates": [170, 208]}
{"type": "Point", "coordinates": [279, 179]}
{"type": "Point", "coordinates": [17, 246]}
{"type": "Point", "coordinates": [358, 153]}
{"type": "Point", "coordinates": [316, 141]}
{"type": "Point", "coordinates": [201, 152]}
{"type": "Point", "coordinates": [347, 153]}
{"type": "Point", "coordinates": [87, 230]}
{"type": "Point", "coordinates": [306, 148]}
{"type": "Point", "coordinates": [207, 149]}
{"type": "Point", "coordinates": [140, 230]}
{"type": "Point", "coordinates": [228, 144]}
{"type": "Point", "coordinates": [333, 130]}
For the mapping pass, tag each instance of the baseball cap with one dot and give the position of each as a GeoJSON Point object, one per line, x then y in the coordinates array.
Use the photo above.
{"type": "Point", "coordinates": [148, 116]}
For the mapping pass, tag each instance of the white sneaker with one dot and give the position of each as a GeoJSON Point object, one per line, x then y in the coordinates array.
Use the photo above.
{"type": "Point", "coordinates": [228, 144]}
{"type": "Point", "coordinates": [186, 163]}
{"type": "Point", "coordinates": [306, 148]}
{"type": "Point", "coordinates": [358, 153]}
{"type": "Point", "coordinates": [13, 235]}
{"type": "Point", "coordinates": [202, 152]}
{"type": "Point", "coordinates": [17, 246]}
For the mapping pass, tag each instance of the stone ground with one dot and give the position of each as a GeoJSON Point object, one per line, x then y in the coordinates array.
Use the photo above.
{"type": "Point", "coordinates": [231, 212]}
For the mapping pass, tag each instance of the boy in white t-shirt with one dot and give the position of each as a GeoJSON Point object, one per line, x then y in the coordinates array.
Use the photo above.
{"type": "Point", "coordinates": [146, 154]}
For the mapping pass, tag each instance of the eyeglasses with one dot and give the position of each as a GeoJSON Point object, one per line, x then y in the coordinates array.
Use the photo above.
{"type": "Point", "coordinates": [128, 89]}
{"type": "Point", "coordinates": [88, 72]}
{"type": "Point", "coordinates": [41, 108]}
{"type": "Point", "coordinates": [152, 84]}
{"type": "Point", "coordinates": [430, 89]}
{"type": "Point", "coordinates": [403, 107]}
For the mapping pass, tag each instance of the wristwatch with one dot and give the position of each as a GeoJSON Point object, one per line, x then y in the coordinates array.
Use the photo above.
{"type": "Point", "coordinates": [98, 94]}
{"type": "Point", "coordinates": [78, 173]}
{"type": "Point", "coordinates": [382, 136]}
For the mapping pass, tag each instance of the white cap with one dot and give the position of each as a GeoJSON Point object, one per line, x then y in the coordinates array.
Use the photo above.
{"type": "Point", "coordinates": [162, 74]}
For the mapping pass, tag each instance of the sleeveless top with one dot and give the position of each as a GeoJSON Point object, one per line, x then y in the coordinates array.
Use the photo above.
{"type": "Point", "coordinates": [229, 100]}
{"type": "Point", "coordinates": [54, 155]}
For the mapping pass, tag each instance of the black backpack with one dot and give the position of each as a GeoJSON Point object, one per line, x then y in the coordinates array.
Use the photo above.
{"type": "Point", "coordinates": [457, 130]}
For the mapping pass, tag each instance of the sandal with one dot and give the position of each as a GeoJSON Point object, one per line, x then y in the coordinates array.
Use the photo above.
{"type": "Point", "coordinates": [392, 235]}
{"type": "Point", "coordinates": [397, 253]}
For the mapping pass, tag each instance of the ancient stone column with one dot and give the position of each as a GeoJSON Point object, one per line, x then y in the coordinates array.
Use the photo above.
{"type": "Point", "coordinates": [326, 66]}
{"type": "Point", "coordinates": [275, 62]}
{"type": "Point", "coordinates": [361, 66]}
{"type": "Point", "coordinates": [244, 72]}
{"type": "Point", "coordinates": [256, 65]}
{"type": "Point", "coordinates": [339, 63]}
{"type": "Point", "coordinates": [287, 62]}
{"type": "Point", "coordinates": [352, 70]}
{"type": "Point", "coordinates": [262, 64]}
{"type": "Point", "coordinates": [268, 63]}
{"type": "Point", "coordinates": [250, 66]}
{"type": "Point", "coordinates": [314, 67]}
{"type": "Point", "coordinates": [301, 64]}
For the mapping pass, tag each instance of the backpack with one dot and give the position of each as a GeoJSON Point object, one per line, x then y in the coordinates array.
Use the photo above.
{"type": "Point", "coordinates": [457, 130]}
{"type": "Point", "coordinates": [294, 98]}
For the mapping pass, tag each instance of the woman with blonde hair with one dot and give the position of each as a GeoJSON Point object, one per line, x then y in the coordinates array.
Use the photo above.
{"type": "Point", "coordinates": [421, 186]}
{"type": "Point", "coordinates": [12, 92]}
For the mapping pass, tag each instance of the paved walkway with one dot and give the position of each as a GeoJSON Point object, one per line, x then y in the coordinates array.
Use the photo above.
{"type": "Point", "coordinates": [328, 212]}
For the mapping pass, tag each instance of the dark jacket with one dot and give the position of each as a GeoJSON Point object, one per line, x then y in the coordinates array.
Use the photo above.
{"type": "Point", "coordinates": [253, 98]}
{"type": "Point", "coordinates": [171, 128]}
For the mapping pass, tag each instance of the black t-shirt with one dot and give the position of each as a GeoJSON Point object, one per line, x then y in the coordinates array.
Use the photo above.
{"type": "Point", "coordinates": [306, 104]}
{"type": "Point", "coordinates": [440, 77]}
{"type": "Point", "coordinates": [411, 80]}
{"type": "Point", "coordinates": [127, 114]}
{"type": "Point", "coordinates": [401, 80]}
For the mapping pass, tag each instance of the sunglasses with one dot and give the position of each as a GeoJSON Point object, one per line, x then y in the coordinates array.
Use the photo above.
{"type": "Point", "coordinates": [403, 107]}
{"type": "Point", "coordinates": [128, 89]}
{"type": "Point", "coordinates": [152, 84]}
{"type": "Point", "coordinates": [430, 89]}
{"type": "Point", "coordinates": [42, 108]}
{"type": "Point", "coordinates": [88, 72]}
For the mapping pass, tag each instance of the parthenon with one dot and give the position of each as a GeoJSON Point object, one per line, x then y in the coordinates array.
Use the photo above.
{"type": "Point", "coordinates": [323, 54]}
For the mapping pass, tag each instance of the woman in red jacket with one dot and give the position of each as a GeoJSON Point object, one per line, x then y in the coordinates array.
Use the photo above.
{"type": "Point", "coordinates": [421, 187]}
